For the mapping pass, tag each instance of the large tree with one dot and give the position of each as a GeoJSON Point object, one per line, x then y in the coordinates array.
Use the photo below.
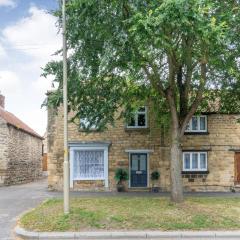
{"type": "Point", "coordinates": [177, 54]}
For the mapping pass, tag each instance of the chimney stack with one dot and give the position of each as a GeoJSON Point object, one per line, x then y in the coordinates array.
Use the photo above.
{"type": "Point", "coordinates": [2, 101]}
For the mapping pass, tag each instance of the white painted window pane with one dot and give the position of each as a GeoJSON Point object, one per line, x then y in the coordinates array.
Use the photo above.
{"type": "Point", "coordinates": [202, 123]}
{"type": "Point", "coordinates": [86, 123]}
{"type": "Point", "coordinates": [134, 163]}
{"type": "Point", "coordinates": [187, 161]}
{"type": "Point", "coordinates": [194, 161]}
{"type": "Point", "coordinates": [203, 161]}
{"type": "Point", "coordinates": [141, 120]}
{"type": "Point", "coordinates": [143, 163]}
{"type": "Point", "coordinates": [194, 123]}
{"type": "Point", "coordinates": [88, 164]}
{"type": "Point", "coordinates": [135, 157]}
{"type": "Point", "coordinates": [132, 122]}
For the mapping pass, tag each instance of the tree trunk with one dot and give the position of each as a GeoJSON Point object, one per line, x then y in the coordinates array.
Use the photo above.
{"type": "Point", "coordinates": [175, 152]}
{"type": "Point", "coordinates": [175, 168]}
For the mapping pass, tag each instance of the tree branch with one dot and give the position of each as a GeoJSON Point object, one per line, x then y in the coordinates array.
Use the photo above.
{"type": "Point", "coordinates": [189, 66]}
{"type": "Point", "coordinates": [171, 69]}
{"type": "Point", "coordinates": [182, 93]}
{"type": "Point", "coordinates": [155, 83]}
{"type": "Point", "coordinates": [184, 88]}
{"type": "Point", "coordinates": [173, 110]}
{"type": "Point", "coordinates": [198, 98]}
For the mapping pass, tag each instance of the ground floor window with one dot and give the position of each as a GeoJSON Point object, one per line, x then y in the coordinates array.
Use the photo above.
{"type": "Point", "coordinates": [195, 161]}
{"type": "Point", "coordinates": [89, 163]}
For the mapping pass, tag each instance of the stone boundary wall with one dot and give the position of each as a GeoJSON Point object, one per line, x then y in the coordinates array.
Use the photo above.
{"type": "Point", "coordinates": [3, 151]}
{"type": "Point", "coordinates": [24, 157]}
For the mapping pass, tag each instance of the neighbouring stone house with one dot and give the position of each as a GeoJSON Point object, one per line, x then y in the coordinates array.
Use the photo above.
{"type": "Point", "coordinates": [20, 150]}
{"type": "Point", "coordinates": [210, 162]}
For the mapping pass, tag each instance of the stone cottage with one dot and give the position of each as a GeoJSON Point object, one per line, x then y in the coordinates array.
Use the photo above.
{"type": "Point", "coordinates": [210, 159]}
{"type": "Point", "coordinates": [20, 150]}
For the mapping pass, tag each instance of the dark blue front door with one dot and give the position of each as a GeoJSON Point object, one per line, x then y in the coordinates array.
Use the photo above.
{"type": "Point", "coordinates": [138, 169]}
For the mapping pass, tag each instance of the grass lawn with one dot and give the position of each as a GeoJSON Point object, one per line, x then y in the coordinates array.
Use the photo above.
{"type": "Point", "coordinates": [135, 213]}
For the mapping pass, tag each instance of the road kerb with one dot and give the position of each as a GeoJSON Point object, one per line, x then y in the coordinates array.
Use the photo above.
{"type": "Point", "coordinates": [24, 234]}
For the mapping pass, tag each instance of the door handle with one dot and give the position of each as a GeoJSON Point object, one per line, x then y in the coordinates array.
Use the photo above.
{"type": "Point", "coordinates": [138, 172]}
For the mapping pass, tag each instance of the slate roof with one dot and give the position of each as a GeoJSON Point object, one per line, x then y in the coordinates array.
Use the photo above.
{"type": "Point", "coordinates": [16, 122]}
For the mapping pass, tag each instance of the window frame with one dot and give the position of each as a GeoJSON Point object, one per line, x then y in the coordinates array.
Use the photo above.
{"type": "Point", "coordinates": [136, 114]}
{"type": "Point", "coordinates": [89, 148]}
{"type": "Point", "coordinates": [90, 178]}
{"type": "Point", "coordinates": [194, 169]}
{"type": "Point", "coordinates": [190, 130]}
{"type": "Point", "coordinates": [84, 121]}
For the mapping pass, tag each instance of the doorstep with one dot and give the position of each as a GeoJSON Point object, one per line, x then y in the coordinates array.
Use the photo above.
{"type": "Point", "coordinates": [24, 234]}
{"type": "Point", "coordinates": [139, 189]}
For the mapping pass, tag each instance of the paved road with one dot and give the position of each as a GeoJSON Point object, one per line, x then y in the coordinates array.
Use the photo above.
{"type": "Point", "coordinates": [15, 200]}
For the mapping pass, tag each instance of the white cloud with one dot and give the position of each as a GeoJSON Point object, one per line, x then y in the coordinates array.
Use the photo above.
{"type": "Point", "coordinates": [35, 35]}
{"type": "Point", "coordinates": [32, 40]}
{"type": "Point", "coordinates": [7, 3]}
{"type": "Point", "coordinates": [42, 84]}
{"type": "Point", "coordinates": [35, 120]}
{"type": "Point", "coordinates": [9, 82]}
{"type": "Point", "coordinates": [2, 52]}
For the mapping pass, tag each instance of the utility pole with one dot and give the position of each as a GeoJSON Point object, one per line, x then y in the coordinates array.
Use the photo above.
{"type": "Point", "coordinates": [66, 185]}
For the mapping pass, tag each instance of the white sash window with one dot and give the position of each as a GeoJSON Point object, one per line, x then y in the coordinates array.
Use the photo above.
{"type": "Point", "coordinates": [85, 123]}
{"type": "Point", "coordinates": [195, 161]}
{"type": "Point", "coordinates": [197, 124]}
{"type": "Point", "coordinates": [89, 163]}
{"type": "Point", "coordinates": [139, 120]}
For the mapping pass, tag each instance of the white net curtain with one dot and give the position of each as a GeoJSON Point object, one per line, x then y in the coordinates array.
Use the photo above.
{"type": "Point", "coordinates": [88, 164]}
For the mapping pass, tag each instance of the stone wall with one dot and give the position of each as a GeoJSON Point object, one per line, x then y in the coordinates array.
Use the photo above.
{"type": "Point", "coordinates": [224, 133]}
{"type": "Point", "coordinates": [120, 138]}
{"type": "Point", "coordinates": [3, 151]}
{"type": "Point", "coordinates": [24, 157]}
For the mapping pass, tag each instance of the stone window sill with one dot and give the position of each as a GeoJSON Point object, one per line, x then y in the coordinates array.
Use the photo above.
{"type": "Point", "coordinates": [195, 172]}
{"type": "Point", "coordinates": [89, 131]}
{"type": "Point", "coordinates": [137, 129]}
{"type": "Point", "coordinates": [196, 133]}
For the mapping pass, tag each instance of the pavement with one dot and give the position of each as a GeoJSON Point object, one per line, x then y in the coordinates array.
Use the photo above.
{"type": "Point", "coordinates": [15, 200]}
{"type": "Point", "coordinates": [148, 194]}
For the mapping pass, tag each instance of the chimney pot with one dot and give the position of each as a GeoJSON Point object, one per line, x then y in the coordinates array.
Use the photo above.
{"type": "Point", "coordinates": [2, 101]}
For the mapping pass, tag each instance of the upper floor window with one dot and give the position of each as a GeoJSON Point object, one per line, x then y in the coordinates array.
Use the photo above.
{"type": "Point", "coordinates": [139, 120]}
{"type": "Point", "coordinates": [195, 161]}
{"type": "Point", "coordinates": [84, 123]}
{"type": "Point", "coordinates": [197, 124]}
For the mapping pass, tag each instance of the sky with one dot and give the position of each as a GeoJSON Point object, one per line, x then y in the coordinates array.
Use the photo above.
{"type": "Point", "coordinates": [29, 38]}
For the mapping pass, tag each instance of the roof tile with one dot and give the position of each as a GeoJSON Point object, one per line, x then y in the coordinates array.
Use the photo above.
{"type": "Point", "coordinates": [16, 122]}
